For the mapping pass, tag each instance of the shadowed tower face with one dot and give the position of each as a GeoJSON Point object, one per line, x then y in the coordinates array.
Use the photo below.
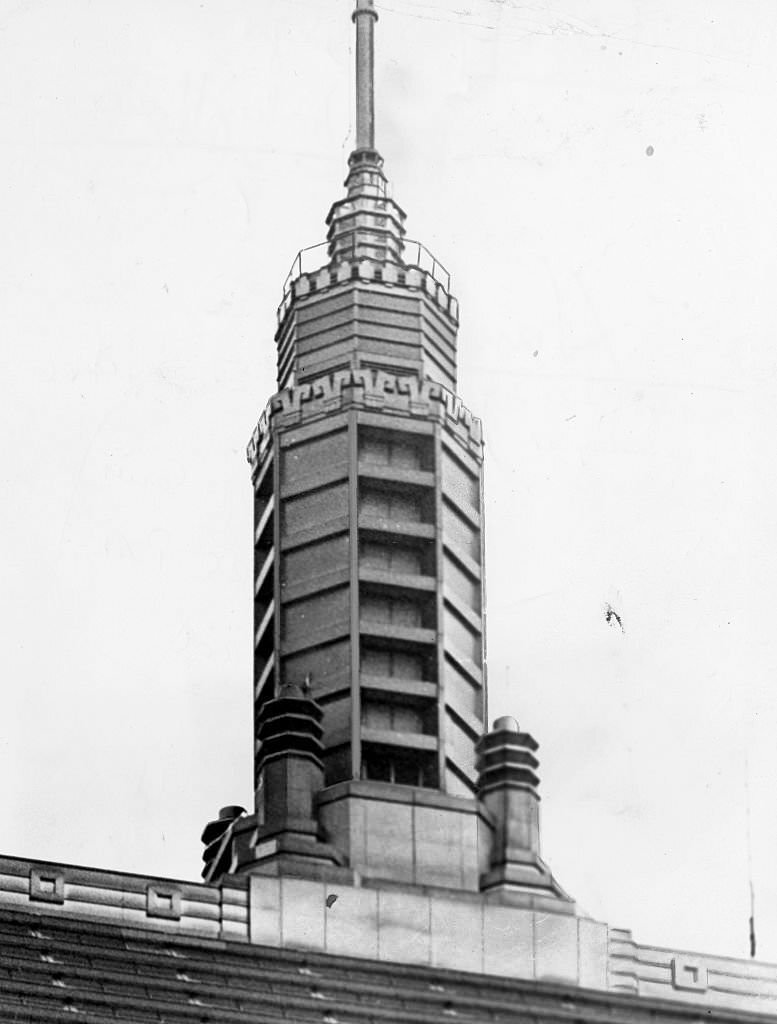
{"type": "Point", "coordinates": [368, 496]}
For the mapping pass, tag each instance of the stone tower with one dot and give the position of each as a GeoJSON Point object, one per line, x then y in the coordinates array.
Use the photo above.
{"type": "Point", "coordinates": [368, 495]}
{"type": "Point", "coordinates": [369, 677]}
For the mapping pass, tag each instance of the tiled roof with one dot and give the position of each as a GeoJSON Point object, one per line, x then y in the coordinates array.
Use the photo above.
{"type": "Point", "coordinates": [54, 969]}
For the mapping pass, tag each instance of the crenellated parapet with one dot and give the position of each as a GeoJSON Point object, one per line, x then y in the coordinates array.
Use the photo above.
{"type": "Point", "coordinates": [370, 389]}
{"type": "Point", "coordinates": [428, 276]}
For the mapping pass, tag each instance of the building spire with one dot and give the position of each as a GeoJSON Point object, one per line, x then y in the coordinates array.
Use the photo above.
{"type": "Point", "coordinates": [367, 224]}
{"type": "Point", "coordinates": [365, 16]}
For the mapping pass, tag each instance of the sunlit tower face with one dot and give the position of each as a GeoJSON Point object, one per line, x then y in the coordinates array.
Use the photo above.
{"type": "Point", "coordinates": [368, 495]}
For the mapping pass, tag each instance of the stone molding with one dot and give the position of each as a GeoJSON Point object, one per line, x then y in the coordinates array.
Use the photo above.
{"type": "Point", "coordinates": [158, 904]}
{"type": "Point", "coordinates": [366, 388]}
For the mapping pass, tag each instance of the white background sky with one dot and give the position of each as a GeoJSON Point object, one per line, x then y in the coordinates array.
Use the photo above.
{"type": "Point", "coordinates": [161, 164]}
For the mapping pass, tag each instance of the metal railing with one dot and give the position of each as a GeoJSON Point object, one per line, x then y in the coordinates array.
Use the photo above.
{"type": "Point", "coordinates": [415, 256]}
{"type": "Point", "coordinates": [304, 263]}
{"type": "Point", "coordinates": [312, 257]}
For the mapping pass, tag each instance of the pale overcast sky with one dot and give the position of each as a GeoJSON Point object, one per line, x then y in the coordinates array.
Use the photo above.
{"type": "Point", "coordinates": [598, 176]}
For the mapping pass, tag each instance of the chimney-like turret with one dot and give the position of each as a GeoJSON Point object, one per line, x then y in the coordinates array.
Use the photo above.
{"type": "Point", "coordinates": [507, 788]}
{"type": "Point", "coordinates": [284, 836]}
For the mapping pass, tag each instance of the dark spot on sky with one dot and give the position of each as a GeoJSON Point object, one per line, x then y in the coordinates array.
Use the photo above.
{"type": "Point", "coordinates": [650, 151]}
{"type": "Point", "coordinates": [536, 352]}
{"type": "Point", "coordinates": [611, 617]}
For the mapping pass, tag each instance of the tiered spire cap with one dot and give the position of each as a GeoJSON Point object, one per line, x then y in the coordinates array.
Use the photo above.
{"type": "Point", "coordinates": [367, 224]}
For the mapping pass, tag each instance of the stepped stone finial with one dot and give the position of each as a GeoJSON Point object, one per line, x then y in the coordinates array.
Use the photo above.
{"type": "Point", "coordinates": [365, 17]}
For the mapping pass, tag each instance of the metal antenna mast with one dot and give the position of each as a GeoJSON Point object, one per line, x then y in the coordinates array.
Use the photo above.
{"type": "Point", "coordinates": [365, 17]}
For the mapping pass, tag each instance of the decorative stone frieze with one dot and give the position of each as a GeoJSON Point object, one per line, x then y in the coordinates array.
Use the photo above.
{"type": "Point", "coordinates": [368, 388]}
